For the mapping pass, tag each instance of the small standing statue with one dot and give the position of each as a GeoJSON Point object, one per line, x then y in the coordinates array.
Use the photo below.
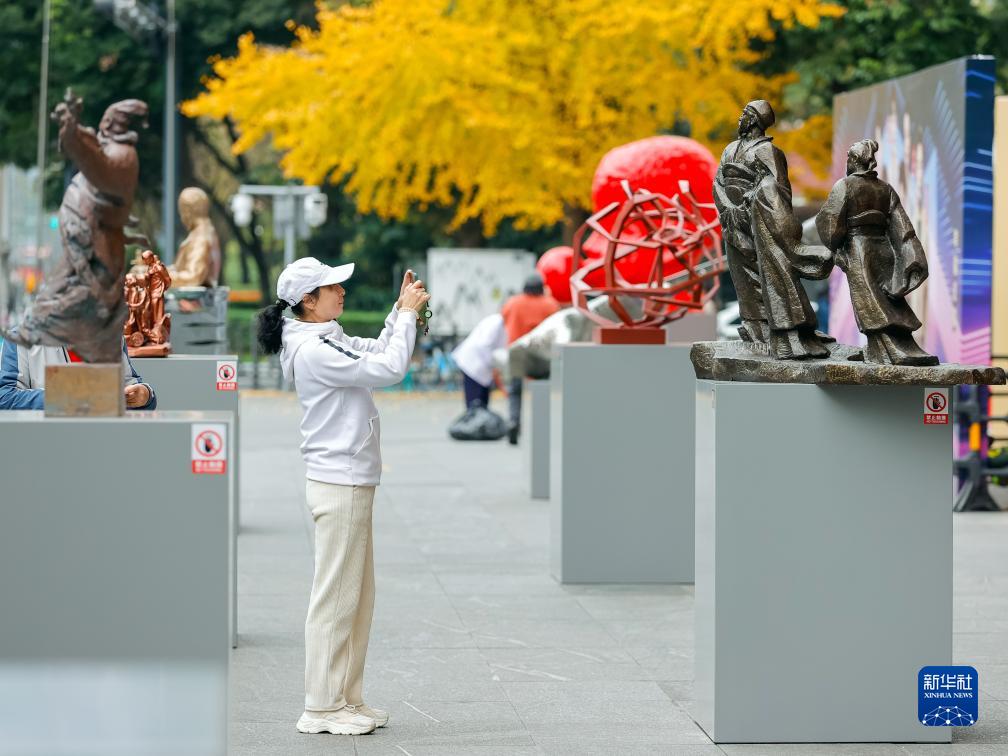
{"type": "Point", "coordinates": [81, 305]}
{"type": "Point", "coordinates": [762, 241]}
{"type": "Point", "coordinates": [198, 261]}
{"type": "Point", "coordinates": [864, 223]}
{"type": "Point", "coordinates": [148, 328]}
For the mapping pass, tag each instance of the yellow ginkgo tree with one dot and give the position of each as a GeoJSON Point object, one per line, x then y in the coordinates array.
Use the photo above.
{"type": "Point", "coordinates": [496, 108]}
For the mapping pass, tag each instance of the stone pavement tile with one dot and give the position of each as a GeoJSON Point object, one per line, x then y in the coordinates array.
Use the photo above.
{"type": "Point", "coordinates": [489, 582]}
{"type": "Point", "coordinates": [530, 633]}
{"type": "Point", "coordinates": [620, 606]}
{"type": "Point", "coordinates": [282, 739]}
{"type": "Point", "coordinates": [676, 631]}
{"type": "Point", "coordinates": [265, 684]}
{"type": "Point", "coordinates": [406, 580]}
{"type": "Point", "coordinates": [953, 749]}
{"type": "Point", "coordinates": [665, 663]}
{"type": "Point", "coordinates": [680, 691]}
{"type": "Point", "coordinates": [630, 729]}
{"type": "Point", "coordinates": [622, 743]}
{"type": "Point", "coordinates": [563, 665]}
{"type": "Point", "coordinates": [591, 692]}
{"type": "Point", "coordinates": [607, 712]}
{"type": "Point", "coordinates": [379, 747]}
{"type": "Point", "coordinates": [419, 722]}
{"type": "Point", "coordinates": [991, 727]}
{"type": "Point", "coordinates": [380, 689]}
{"type": "Point", "coordinates": [812, 749]}
{"type": "Point", "coordinates": [993, 680]}
{"type": "Point", "coordinates": [983, 648]}
{"type": "Point", "coordinates": [422, 630]}
{"type": "Point", "coordinates": [475, 609]}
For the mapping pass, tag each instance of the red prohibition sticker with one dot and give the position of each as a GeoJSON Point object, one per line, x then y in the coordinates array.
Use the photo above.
{"type": "Point", "coordinates": [208, 449]}
{"type": "Point", "coordinates": [936, 406]}
{"type": "Point", "coordinates": [227, 375]}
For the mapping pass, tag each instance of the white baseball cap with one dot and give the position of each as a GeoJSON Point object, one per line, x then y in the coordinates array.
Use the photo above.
{"type": "Point", "coordinates": [307, 274]}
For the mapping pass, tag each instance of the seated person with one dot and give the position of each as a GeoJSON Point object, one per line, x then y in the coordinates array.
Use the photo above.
{"type": "Point", "coordinates": [22, 377]}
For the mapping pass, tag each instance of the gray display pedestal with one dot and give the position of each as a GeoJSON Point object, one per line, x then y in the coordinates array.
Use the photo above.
{"type": "Point", "coordinates": [621, 464]}
{"type": "Point", "coordinates": [188, 382]}
{"type": "Point", "coordinates": [823, 561]}
{"type": "Point", "coordinates": [113, 586]}
{"type": "Point", "coordinates": [537, 431]}
{"type": "Point", "coordinates": [199, 319]}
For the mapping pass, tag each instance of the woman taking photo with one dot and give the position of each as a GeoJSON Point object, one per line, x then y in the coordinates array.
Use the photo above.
{"type": "Point", "coordinates": [334, 375]}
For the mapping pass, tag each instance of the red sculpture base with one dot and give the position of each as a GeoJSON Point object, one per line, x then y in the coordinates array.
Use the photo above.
{"type": "Point", "coordinates": [150, 350]}
{"type": "Point", "coordinates": [603, 335]}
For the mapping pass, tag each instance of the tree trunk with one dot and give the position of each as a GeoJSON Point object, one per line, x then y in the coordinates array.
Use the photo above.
{"type": "Point", "coordinates": [574, 217]}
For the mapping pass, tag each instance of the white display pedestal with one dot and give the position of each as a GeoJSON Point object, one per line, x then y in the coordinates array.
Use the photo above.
{"type": "Point", "coordinates": [185, 382]}
{"type": "Point", "coordinates": [538, 426]}
{"type": "Point", "coordinates": [114, 586]}
{"type": "Point", "coordinates": [823, 561]}
{"type": "Point", "coordinates": [621, 464]}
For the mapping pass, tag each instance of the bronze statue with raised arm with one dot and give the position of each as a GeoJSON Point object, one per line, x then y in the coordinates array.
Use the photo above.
{"type": "Point", "coordinates": [81, 304]}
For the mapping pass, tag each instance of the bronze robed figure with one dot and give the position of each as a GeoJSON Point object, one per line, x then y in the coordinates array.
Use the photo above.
{"type": "Point", "coordinates": [864, 223]}
{"type": "Point", "coordinates": [81, 305]}
{"type": "Point", "coordinates": [762, 241]}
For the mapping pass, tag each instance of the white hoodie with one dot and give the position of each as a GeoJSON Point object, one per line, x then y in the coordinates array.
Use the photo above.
{"type": "Point", "coordinates": [334, 375]}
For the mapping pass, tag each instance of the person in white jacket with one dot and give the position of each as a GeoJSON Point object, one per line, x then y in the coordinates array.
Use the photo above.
{"type": "Point", "coordinates": [475, 359]}
{"type": "Point", "coordinates": [334, 375]}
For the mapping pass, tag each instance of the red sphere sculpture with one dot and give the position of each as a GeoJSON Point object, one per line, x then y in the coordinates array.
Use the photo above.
{"type": "Point", "coordinates": [658, 163]}
{"type": "Point", "coordinates": [675, 242]}
{"type": "Point", "coordinates": [555, 266]}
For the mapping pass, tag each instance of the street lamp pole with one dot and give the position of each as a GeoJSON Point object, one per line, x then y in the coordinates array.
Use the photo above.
{"type": "Point", "coordinates": [43, 125]}
{"type": "Point", "coordinates": [170, 187]}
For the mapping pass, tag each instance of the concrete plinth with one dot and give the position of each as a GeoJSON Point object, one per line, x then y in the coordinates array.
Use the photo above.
{"type": "Point", "coordinates": [199, 319]}
{"type": "Point", "coordinates": [186, 382]}
{"type": "Point", "coordinates": [539, 437]}
{"type": "Point", "coordinates": [823, 561]}
{"type": "Point", "coordinates": [621, 464]}
{"type": "Point", "coordinates": [114, 585]}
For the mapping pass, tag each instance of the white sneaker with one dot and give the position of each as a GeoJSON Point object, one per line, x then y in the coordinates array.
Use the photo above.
{"type": "Point", "coordinates": [379, 716]}
{"type": "Point", "coordinates": [342, 722]}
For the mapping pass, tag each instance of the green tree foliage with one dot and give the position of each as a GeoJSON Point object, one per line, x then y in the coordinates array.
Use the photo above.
{"type": "Point", "coordinates": [877, 40]}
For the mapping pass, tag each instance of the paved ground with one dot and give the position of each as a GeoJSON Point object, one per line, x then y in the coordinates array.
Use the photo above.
{"type": "Point", "coordinates": [475, 649]}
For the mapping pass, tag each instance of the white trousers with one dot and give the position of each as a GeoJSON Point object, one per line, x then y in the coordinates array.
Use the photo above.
{"type": "Point", "coordinates": [342, 596]}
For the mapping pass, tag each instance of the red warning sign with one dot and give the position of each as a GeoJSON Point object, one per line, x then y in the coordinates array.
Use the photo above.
{"type": "Point", "coordinates": [227, 375]}
{"type": "Point", "coordinates": [209, 449]}
{"type": "Point", "coordinates": [936, 406]}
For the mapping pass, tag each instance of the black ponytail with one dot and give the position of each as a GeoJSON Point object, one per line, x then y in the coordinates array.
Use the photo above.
{"type": "Point", "coordinates": [270, 323]}
{"type": "Point", "coordinates": [270, 327]}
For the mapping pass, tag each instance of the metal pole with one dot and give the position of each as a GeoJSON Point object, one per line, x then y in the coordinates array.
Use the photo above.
{"type": "Point", "coordinates": [43, 125]}
{"type": "Point", "coordinates": [170, 185]}
{"type": "Point", "coordinates": [290, 228]}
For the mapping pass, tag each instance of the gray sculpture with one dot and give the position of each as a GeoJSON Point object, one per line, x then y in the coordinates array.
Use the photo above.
{"type": "Point", "coordinates": [762, 239]}
{"type": "Point", "coordinates": [82, 303]}
{"type": "Point", "coordinates": [864, 223]}
{"type": "Point", "coordinates": [530, 355]}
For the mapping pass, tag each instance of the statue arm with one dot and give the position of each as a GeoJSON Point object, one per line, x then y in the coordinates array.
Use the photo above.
{"type": "Point", "coordinates": [831, 221]}
{"type": "Point", "coordinates": [910, 264]}
{"type": "Point", "coordinates": [110, 169]}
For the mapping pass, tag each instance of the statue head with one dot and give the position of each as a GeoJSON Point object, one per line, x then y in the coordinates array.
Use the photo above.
{"type": "Point", "coordinates": [148, 257]}
{"type": "Point", "coordinates": [119, 118]}
{"type": "Point", "coordinates": [130, 280]}
{"type": "Point", "coordinates": [193, 205]}
{"type": "Point", "coordinates": [861, 157]}
{"type": "Point", "coordinates": [757, 115]}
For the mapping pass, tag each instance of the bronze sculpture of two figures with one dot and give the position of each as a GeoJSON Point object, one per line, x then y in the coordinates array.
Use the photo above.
{"type": "Point", "coordinates": [865, 230]}
{"type": "Point", "coordinates": [148, 326]}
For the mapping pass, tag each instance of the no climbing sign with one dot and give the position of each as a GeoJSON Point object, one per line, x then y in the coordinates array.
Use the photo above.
{"type": "Point", "coordinates": [936, 406]}
{"type": "Point", "coordinates": [227, 375]}
{"type": "Point", "coordinates": [208, 449]}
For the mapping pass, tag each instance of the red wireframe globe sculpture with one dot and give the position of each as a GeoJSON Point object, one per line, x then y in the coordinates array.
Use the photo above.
{"type": "Point", "coordinates": [676, 239]}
